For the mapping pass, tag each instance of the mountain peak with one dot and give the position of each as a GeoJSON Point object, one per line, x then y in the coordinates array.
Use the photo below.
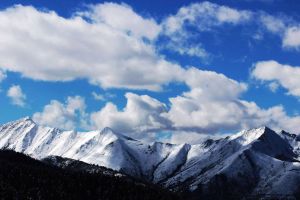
{"type": "Point", "coordinates": [268, 133]}
{"type": "Point", "coordinates": [107, 130]}
{"type": "Point", "coordinates": [248, 136]}
{"type": "Point", "coordinates": [109, 134]}
{"type": "Point", "coordinates": [27, 119]}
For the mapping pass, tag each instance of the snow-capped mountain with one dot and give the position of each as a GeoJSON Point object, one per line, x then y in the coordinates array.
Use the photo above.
{"type": "Point", "coordinates": [153, 162]}
{"type": "Point", "coordinates": [257, 161]}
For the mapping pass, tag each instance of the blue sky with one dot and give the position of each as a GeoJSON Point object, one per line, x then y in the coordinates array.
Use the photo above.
{"type": "Point", "coordinates": [143, 68]}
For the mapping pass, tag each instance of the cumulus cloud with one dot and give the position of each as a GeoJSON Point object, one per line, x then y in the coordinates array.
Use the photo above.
{"type": "Point", "coordinates": [212, 105]}
{"type": "Point", "coordinates": [16, 95]}
{"type": "Point", "coordinates": [66, 115]}
{"type": "Point", "coordinates": [209, 91]}
{"type": "Point", "coordinates": [180, 137]}
{"type": "Point", "coordinates": [191, 114]}
{"type": "Point", "coordinates": [202, 108]}
{"type": "Point", "coordinates": [213, 85]}
{"type": "Point", "coordinates": [285, 75]}
{"type": "Point", "coordinates": [54, 48]}
{"type": "Point", "coordinates": [112, 46]}
{"type": "Point", "coordinates": [141, 114]}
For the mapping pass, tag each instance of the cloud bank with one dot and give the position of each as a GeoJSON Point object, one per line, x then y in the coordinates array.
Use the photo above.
{"type": "Point", "coordinates": [102, 46]}
{"type": "Point", "coordinates": [212, 105]}
{"type": "Point", "coordinates": [44, 46]}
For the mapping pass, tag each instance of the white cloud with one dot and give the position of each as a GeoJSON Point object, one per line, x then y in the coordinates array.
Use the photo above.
{"type": "Point", "coordinates": [286, 28]}
{"type": "Point", "coordinates": [191, 113]}
{"type": "Point", "coordinates": [123, 18]}
{"type": "Point", "coordinates": [273, 86]}
{"type": "Point", "coordinates": [144, 114]}
{"type": "Point", "coordinates": [212, 105]}
{"type": "Point", "coordinates": [194, 50]}
{"type": "Point", "coordinates": [209, 84]}
{"type": "Point", "coordinates": [190, 21]}
{"type": "Point", "coordinates": [16, 95]}
{"type": "Point", "coordinates": [285, 75]}
{"type": "Point", "coordinates": [102, 97]}
{"type": "Point", "coordinates": [141, 114]}
{"type": "Point", "coordinates": [189, 116]}
{"type": "Point", "coordinates": [98, 97]}
{"type": "Point", "coordinates": [291, 37]}
{"type": "Point", "coordinates": [104, 47]}
{"type": "Point", "coordinates": [63, 115]}
{"type": "Point", "coordinates": [272, 24]}
{"type": "Point", "coordinates": [180, 137]}
{"type": "Point", "coordinates": [54, 48]}
{"type": "Point", "coordinates": [204, 16]}
{"type": "Point", "coordinates": [230, 15]}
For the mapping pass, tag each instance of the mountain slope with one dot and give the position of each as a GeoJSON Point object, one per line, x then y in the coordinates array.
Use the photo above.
{"type": "Point", "coordinates": [254, 162]}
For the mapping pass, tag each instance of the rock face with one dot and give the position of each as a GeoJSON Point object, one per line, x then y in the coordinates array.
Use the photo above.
{"type": "Point", "coordinates": [252, 162]}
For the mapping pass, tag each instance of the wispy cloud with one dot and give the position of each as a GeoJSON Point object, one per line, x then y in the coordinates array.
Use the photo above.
{"type": "Point", "coordinates": [102, 97]}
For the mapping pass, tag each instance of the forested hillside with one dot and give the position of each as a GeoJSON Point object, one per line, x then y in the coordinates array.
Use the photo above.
{"type": "Point", "coordinates": [22, 177]}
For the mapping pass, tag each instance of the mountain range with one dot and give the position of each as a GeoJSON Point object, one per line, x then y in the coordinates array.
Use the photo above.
{"type": "Point", "coordinates": [252, 163]}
